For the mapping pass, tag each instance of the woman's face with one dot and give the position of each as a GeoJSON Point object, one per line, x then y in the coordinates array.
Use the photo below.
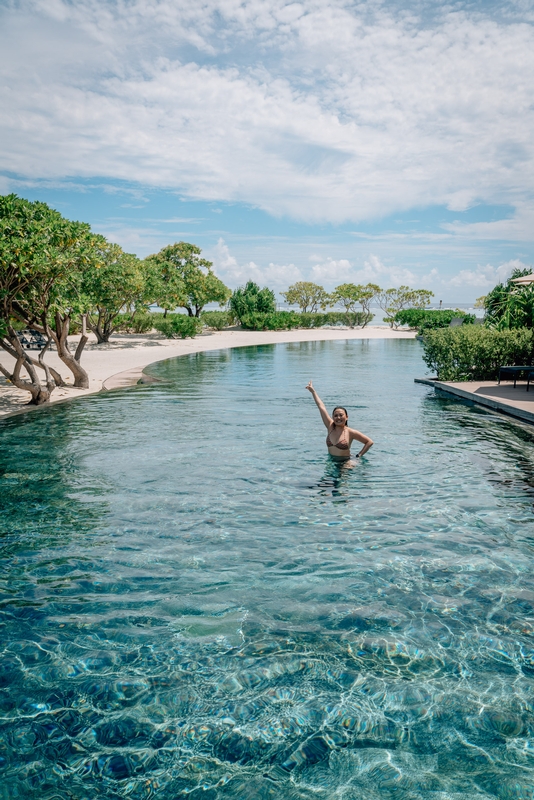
{"type": "Point", "coordinates": [340, 418]}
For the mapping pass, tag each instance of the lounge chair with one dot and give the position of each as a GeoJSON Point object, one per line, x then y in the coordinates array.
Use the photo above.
{"type": "Point", "coordinates": [22, 339]}
{"type": "Point", "coordinates": [31, 340]}
{"type": "Point", "coordinates": [37, 339]}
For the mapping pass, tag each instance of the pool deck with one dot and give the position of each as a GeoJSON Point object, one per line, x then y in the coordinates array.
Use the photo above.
{"type": "Point", "coordinates": [503, 398]}
{"type": "Point", "coordinates": [121, 362]}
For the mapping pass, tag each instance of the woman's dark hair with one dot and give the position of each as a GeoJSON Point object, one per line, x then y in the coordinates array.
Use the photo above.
{"type": "Point", "coordinates": [340, 408]}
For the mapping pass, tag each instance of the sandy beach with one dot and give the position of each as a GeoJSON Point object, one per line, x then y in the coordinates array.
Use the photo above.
{"type": "Point", "coordinates": [121, 362]}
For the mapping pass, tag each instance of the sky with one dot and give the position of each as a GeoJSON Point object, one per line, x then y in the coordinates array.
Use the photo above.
{"type": "Point", "coordinates": [326, 140]}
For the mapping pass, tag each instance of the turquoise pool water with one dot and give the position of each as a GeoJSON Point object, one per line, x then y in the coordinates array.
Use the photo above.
{"type": "Point", "coordinates": [197, 604]}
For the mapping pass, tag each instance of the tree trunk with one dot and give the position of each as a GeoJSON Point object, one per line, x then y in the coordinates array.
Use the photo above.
{"type": "Point", "coordinates": [55, 374]}
{"type": "Point", "coordinates": [101, 336]}
{"type": "Point", "coordinates": [59, 337]}
{"type": "Point", "coordinates": [81, 378]}
{"type": "Point", "coordinates": [97, 329]}
{"type": "Point", "coordinates": [39, 394]}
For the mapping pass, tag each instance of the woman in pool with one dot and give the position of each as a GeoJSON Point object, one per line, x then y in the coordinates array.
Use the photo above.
{"type": "Point", "coordinates": [340, 436]}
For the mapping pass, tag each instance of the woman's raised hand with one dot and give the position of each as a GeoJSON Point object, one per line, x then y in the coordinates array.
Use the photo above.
{"type": "Point", "coordinates": [309, 387]}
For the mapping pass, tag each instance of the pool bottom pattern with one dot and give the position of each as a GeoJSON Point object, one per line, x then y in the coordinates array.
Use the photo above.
{"type": "Point", "coordinates": [293, 630]}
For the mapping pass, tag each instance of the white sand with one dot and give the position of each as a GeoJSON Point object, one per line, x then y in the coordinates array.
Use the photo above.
{"type": "Point", "coordinates": [121, 362]}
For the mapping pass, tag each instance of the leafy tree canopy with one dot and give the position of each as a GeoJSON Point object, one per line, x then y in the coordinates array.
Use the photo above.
{"type": "Point", "coordinates": [178, 277]}
{"type": "Point", "coordinates": [114, 282]}
{"type": "Point", "coordinates": [350, 295]}
{"type": "Point", "coordinates": [42, 258]}
{"type": "Point", "coordinates": [250, 299]}
{"type": "Point", "coordinates": [307, 296]}
{"type": "Point", "coordinates": [509, 305]}
{"type": "Point", "coordinates": [39, 252]}
{"type": "Point", "coordinates": [394, 300]}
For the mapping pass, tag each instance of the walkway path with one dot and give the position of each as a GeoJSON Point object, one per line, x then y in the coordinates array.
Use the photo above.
{"type": "Point", "coordinates": [121, 362]}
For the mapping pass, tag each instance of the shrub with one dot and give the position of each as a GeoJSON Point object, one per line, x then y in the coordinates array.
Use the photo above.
{"type": "Point", "coordinates": [470, 352]}
{"type": "Point", "coordinates": [288, 320]}
{"type": "Point", "coordinates": [425, 319]}
{"type": "Point", "coordinates": [215, 319]}
{"type": "Point", "coordinates": [275, 321]}
{"type": "Point", "coordinates": [509, 305]}
{"type": "Point", "coordinates": [308, 319]}
{"type": "Point", "coordinates": [250, 299]}
{"type": "Point", "coordinates": [136, 322]}
{"type": "Point", "coordinates": [176, 326]}
{"type": "Point", "coordinates": [351, 318]}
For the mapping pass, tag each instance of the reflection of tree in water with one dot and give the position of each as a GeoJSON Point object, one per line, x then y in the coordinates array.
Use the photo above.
{"type": "Point", "coordinates": [196, 369]}
{"type": "Point", "coordinates": [43, 501]}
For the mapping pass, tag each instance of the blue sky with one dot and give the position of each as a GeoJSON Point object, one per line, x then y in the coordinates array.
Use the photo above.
{"type": "Point", "coordinates": [324, 140]}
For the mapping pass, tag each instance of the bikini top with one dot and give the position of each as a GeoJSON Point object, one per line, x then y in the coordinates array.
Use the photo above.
{"type": "Point", "coordinates": [340, 445]}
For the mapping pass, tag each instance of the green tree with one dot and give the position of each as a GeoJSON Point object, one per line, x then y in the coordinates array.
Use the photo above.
{"type": "Point", "coordinates": [115, 282]}
{"type": "Point", "coordinates": [42, 258]}
{"type": "Point", "coordinates": [178, 277]}
{"type": "Point", "coordinates": [250, 299]}
{"type": "Point", "coordinates": [510, 305]}
{"type": "Point", "coordinates": [307, 296]}
{"type": "Point", "coordinates": [352, 295]}
{"type": "Point", "coordinates": [391, 301]}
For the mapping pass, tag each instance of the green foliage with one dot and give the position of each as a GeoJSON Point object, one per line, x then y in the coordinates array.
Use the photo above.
{"type": "Point", "coordinates": [215, 319]}
{"type": "Point", "coordinates": [178, 277]}
{"type": "Point", "coordinates": [394, 300]}
{"type": "Point", "coordinates": [178, 326]}
{"type": "Point", "coordinates": [136, 321]}
{"type": "Point", "coordinates": [509, 305]}
{"type": "Point", "coordinates": [250, 299]}
{"type": "Point", "coordinates": [288, 320]}
{"type": "Point", "coordinates": [307, 296]}
{"type": "Point", "coordinates": [273, 321]}
{"type": "Point", "coordinates": [426, 319]}
{"type": "Point", "coordinates": [353, 319]}
{"type": "Point", "coordinates": [471, 352]}
{"type": "Point", "coordinates": [351, 295]}
{"type": "Point", "coordinates": [115, 281]}
{"type": "Point", "coordinates": [42, 260]}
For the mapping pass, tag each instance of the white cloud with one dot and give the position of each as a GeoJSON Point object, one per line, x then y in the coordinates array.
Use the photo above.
{"type": "Point", "coordinates": [331, 272]}
{"type": "Point", "coordinates": [485, 277]}
{"type": "Point", "coordinates": [517, 228]}
{"type": "Point", "coordinates": [275, 276]}
{"type": "Point", "coordinates": [319, 110]}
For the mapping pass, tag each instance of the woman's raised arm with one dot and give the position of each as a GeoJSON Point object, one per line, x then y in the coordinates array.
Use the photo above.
{"type": "Point", "coordinates": [325, 416]}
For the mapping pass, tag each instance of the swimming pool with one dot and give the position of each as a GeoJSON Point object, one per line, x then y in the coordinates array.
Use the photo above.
{"type": "Point", "coordinates": [197, 604]}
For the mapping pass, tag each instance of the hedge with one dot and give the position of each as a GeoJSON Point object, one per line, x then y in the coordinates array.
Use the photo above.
{"type": "Point", "coordinates": [274, 321]}
{"type": "Point", "coordinates": [287, 320]}
{"type": "Point", "coordinates": [138, 322]}
{"type": "Point", "coordinates": [425, 319]}
{"type": "Point", "coordinates": [216, 319]}
{"type": "Point", "coordinates": [350, 318]}
{"type": "Point", "coordinates": [178, 325]}
{"type": "Point", "coordinates": [473, 353]}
